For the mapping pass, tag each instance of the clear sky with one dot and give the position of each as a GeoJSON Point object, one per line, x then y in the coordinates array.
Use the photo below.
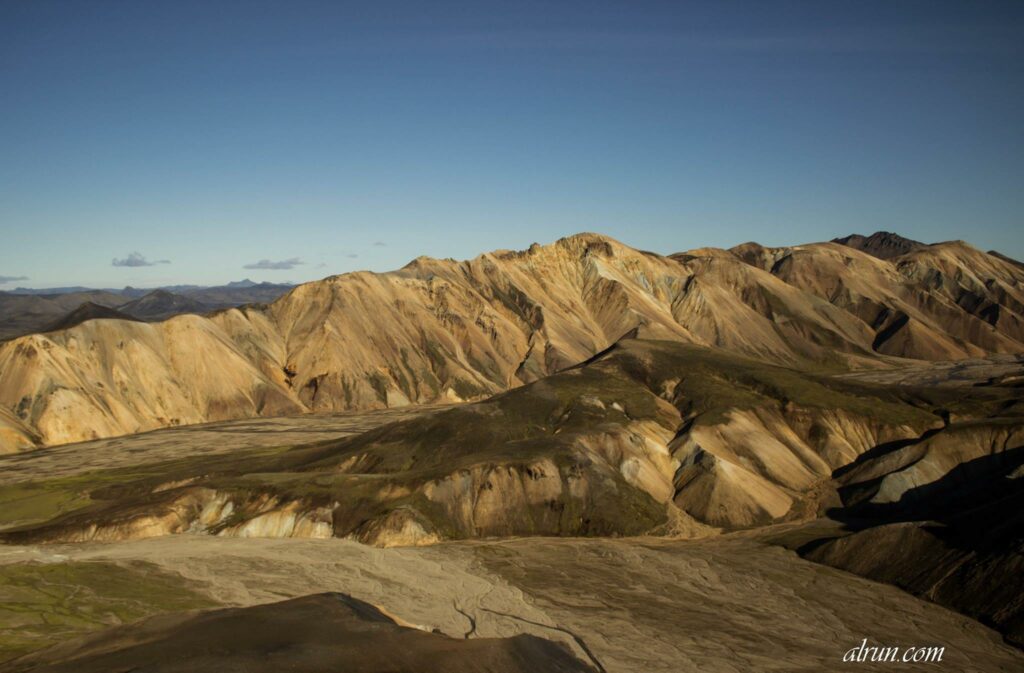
{"type": "Point", "coordinates": [319, 138]}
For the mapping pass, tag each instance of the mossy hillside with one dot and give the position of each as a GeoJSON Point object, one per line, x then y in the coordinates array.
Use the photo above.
{"type": "Point", "coordinates": [362, 474]}
{"type": "Point", "coordinates": [27, 503]}
{"type": "Point", "coordinates": [712, 383]}
{"type": "Point", "coordinates": [543, 420]}
{"type": "Point", "coordinates": [370, 474]}
{"type": "Point", "coordinates": [82, 497]}
{"type": "Point", "coordinates": [534, 421]}
{"type": "Point", "coordinates": [42, 604]}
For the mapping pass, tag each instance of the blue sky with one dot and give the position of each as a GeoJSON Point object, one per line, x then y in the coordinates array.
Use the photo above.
{"type": "Point", "coordinates": [208, 136]}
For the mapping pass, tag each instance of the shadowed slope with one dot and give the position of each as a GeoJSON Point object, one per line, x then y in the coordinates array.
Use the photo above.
{"type": "Point", "coordinates": [324, 632]}
{"type": "Point", "coordinates": [944, 519]}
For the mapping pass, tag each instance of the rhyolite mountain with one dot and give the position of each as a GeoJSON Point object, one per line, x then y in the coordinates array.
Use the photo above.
{"type": "Point", "coordinates": [442, 330]}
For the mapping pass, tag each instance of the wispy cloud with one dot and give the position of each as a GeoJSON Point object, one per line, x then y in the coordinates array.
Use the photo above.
{"type": "Point", "coordinates": [380, 244]}
{"type": "Point", "coordinates": [135, 259]}
{"type": "Point", "coordinates": [11, 279]}
{"type": "Point", "coordinates": [352, 255]}
{"type": "Point", "coordinates": [280, 265]}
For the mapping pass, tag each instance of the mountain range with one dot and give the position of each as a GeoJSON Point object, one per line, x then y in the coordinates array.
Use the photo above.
{"type": "Point", "coordinates": [24, 310]}
{"type": "Point", "coordinates": [442, 330]}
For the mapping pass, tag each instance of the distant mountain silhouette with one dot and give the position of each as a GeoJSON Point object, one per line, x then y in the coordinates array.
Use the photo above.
{"type": "Point", "coordinates": [26, 310]}
{"type": "Point", "coordinates": [87, 311]}
{"type": "Point", "coordinates": [162, 304]}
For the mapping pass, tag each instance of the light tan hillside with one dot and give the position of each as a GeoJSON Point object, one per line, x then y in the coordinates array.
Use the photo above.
{"type": "Point", "coordinates": [441, 330]}
{"type": "Point", "coordinates": [941, 302]}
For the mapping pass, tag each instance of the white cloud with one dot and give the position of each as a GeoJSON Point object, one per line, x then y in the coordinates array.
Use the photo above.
{"type": "Point", "coordinates": [267, 264]}
{"type": "Point", "coordinates": [135, 259]}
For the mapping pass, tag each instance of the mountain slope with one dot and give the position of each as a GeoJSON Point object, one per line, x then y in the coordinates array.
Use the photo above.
{"type": "Point", "coordinates": [443, 330]}
{"type": "Point", "coordinates": [109, 377]}
{"type": "Point", "coordinates": [1009, 260]}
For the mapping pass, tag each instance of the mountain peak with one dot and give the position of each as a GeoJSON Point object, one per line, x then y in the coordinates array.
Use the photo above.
{"type": "Point", "coordinates": [881, 244]}
{"type": "Point", "coordinates": [586, 243]}
{"type": "Point", "coordinates": [587, 238]}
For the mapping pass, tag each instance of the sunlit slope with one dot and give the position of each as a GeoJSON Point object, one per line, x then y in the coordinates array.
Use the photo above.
{"type": "Point", "coordinates": [939, 302]}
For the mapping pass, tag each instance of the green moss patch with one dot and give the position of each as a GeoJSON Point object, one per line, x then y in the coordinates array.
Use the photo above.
{"type": "Point", "coordinates": [42, 604]}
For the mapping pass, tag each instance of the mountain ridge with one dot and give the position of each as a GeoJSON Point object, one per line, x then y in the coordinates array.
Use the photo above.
{"type": "Point", "coordinates": [443, 330]}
